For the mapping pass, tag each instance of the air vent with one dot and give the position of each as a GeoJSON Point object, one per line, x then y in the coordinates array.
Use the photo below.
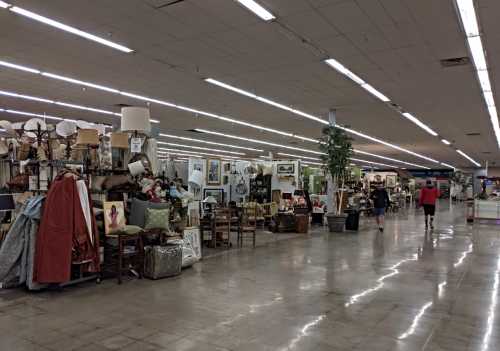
{"type": "Point", "coordinates": [473, 134]}
{"type": "Point", "coordinates": [487, 152]}
{"type": "Point", "coordinates": [455, 61]}
{"type": "Point", "coordinates": [170, 3]}
{"type": "Point", "coordinates": [193, 131]}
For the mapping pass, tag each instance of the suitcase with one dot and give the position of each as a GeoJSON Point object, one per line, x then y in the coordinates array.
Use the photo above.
{"type": "Point", "coordinates": [162, 261]}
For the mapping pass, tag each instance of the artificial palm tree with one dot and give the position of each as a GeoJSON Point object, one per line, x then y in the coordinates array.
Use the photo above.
{"type": "Point", "coordinates": [337, 148]}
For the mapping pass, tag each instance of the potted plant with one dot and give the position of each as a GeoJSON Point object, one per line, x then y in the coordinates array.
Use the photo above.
{"type": "Point", "coordinates": [337, 148]}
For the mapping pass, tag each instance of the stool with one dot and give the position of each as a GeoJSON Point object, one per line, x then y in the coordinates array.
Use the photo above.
{"type": "Point", "coordinates": [123, 259]}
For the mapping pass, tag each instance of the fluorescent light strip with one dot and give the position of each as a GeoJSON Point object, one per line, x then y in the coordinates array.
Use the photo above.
{"type": "Point", "coordinates": [65, 104]}
{"type": "Point", "coordinates": [444, 141]}
{"type": "Point", "coordinates": [448, 165]}
{"type": "Point", "coordinates": [257, 141]}
{"type": "Point", "coordinates": [375, 92]}
{"type": "Point", "coordinates": [209, 142]}
{"type": "Point", "coordinates": [286, 108]}
{"type": "Point", "coordinates": [200, 148]}
{"type": "Point", "coordinates": [389, 159]}
{"type": "Point", "coordinates": [419, 123]}
{"type": "Point", "coordinates": [261, 99]}
{"type": "Point", "coordinates": [470, 24]}
{"type": "Point", "coordinates": [343, 70]}
{"type": "Point", "coordinates": [194, 152]}
{"type": "Point", "coordinates": [373, 163]}
{"type": "Point", "coordinates": [64, 27]}
{"type": "Point", "coordinates": [257, 9]}
{"type": "Point", "coordinates": [468, 16]}
{"type": "Point", "coordinates": [299, 156]}
{"type": "Point", "coordinates": [469, 158]}
{"type": "Point", "coordinates": [362, 135]}
{"type": "Point", "coordinates": [31, 114]}
{"type": "Point", "coordinates": [19, 67]}
{"type": "Point", "coordinates": [352, 131]}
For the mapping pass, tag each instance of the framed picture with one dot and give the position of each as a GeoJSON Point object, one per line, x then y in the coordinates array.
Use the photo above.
{"type": "Point", "coordinates": [213, 171]}
{"type": "Point", "coordinates": [218, 194]}
{"type": "Point", "coordinates": [390, 181]}
{"type": "Point", "coordinates": [285, 168]}
{"type": "Point", "coordinates": [114, 216]}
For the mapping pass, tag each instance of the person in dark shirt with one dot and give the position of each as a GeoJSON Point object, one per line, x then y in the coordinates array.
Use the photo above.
{"type": "Point", "coordinates": [381, 201]}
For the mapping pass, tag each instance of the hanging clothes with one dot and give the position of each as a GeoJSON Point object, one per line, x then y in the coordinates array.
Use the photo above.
{"type": "Point", "coordinates": [64, 236]}
{"type": "Point", "coordinates": [18, 249]}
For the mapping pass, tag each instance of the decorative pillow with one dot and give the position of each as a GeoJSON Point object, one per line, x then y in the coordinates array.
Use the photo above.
{"type": "Point", "coordinates": [157, 219]}
{"type": "Point", "coordinates": [138, 211]}
{"type": "Point", "coordinates": [127, 230]}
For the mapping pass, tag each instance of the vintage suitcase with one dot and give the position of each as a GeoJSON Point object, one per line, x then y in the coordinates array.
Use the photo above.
{"type": "Point", "coordinates": [162, 261]}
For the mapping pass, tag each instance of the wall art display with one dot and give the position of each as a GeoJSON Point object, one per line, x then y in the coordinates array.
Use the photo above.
{"type": "Point", "coordinates": [213, 171]}
{"type": "Point", "coordinates": [218, 194]}
{"type": "Point", "coordinates": [114, 216]}
{"type": "Point", "coordinates": [390, 181]}
{"type": "Point", "coordinates": [285, 168]}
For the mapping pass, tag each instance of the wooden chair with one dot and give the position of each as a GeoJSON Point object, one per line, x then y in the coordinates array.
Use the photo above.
{"type": "Point", "coordinates": [222, 227]}
{"type": "Point", "coordinates": [248, 224]}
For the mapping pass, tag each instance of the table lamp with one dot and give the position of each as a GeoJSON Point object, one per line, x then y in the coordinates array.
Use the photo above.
{"type": "Point", "coordinates": [135, 119]}
{"type": "Point", "coordinates": [210, 201]}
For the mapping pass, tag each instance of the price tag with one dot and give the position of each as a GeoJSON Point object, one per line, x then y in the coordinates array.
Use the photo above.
{"type": "Point", "coordinates": [135, 145]}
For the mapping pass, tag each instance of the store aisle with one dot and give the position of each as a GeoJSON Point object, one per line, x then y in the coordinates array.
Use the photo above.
{"type": "Point", "coordinates": [400, 290]}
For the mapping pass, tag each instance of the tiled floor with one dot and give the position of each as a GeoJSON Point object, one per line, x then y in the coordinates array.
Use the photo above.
{"type": "Point", "coordinates": [401, 290]}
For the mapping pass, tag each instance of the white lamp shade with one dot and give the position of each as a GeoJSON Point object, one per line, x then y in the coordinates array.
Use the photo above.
{"type": "Point", "coordinates": [210, 200]}
{"type": "Point", "coordinates": [196, 179]}
{"type": "Point", "coordinates": [135, 119]}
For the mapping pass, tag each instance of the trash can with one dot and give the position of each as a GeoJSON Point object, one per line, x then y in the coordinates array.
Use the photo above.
{"type": "Point", "coordinates": [352, 221]}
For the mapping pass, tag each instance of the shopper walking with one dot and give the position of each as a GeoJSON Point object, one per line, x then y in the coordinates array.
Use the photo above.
{"type": "Point", "coordinates": [428, 197]}
{"type": "Point", "coordinates": [381, 201]}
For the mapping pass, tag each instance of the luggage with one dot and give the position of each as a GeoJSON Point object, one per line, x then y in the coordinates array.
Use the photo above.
{"type": "Point", "coordinates": [162, 261]}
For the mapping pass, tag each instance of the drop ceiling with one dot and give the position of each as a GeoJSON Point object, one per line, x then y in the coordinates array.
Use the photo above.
{"type": "Point", "coordinates": [395, 45]}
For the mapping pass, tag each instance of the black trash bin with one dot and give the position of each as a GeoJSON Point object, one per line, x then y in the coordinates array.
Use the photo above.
{"type": "Point", "coordinates": [352, 221]}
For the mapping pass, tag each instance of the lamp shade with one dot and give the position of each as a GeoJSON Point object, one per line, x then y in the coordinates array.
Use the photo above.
{"type": "Point", "coordinates": [135, 119]}
{"type": "Point", "coordinates": [196, 179]}
{"type": "Point", "coordinates": [87, 137]}
{"type": "Point", "coordinates": [210, 200]}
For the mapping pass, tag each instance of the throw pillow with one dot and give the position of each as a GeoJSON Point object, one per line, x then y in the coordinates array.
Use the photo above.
{"type": "Point", "coordinates": [157, 219]}
{"type": "Point", "coordinates": [138, 211]}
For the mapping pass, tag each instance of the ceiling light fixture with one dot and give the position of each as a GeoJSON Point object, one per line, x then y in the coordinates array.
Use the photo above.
{"type": "Point", "coordinates": [64, 27]}
{"type": "Point", "coordinates": [373, 163]}
{"type": "Point", "coordinates": [388, 158]}
{"type": "Point", "coordinates": [257, 141]}
{"type": "Point", "coordinates": [470, 23]}
{"type": "Point", "coordinates": [299, 156]}
{"type": "Point", "coordinates": [286, 108]}
{"type": "Point", "coordinates": [469, 158]}
{"type": "Point", "coordinates": [31, 114]}
{"type": "Point", "coordinates": [200, 148]}
{"type": "Point", "coordinates": [19, 67]}
{"type": "Point", "coordinates": [444, 141]}
{"type": "Point", "coordinates": [345, 71]}
{"type": "Point", "coordinates": [352, 131]}
{"type": "Point", "coordinates": [375, 92]}
{"type": "Point", "coordinates": [447, 165]}
{"type": "Point", "coordinates": [257, 9]}
{"type": "Point", "coordinates": [194, 152]}
{"type": "Point", "coordinates": [262, 99]}
{"type": "Point", "coordinates": [209, 142]}
{"type": "Point", "coordinates": [65, 104]}
{"type": "Point", "coordinates": [419, 123]}
{"type": "Point", "coordinates": [203, 113]}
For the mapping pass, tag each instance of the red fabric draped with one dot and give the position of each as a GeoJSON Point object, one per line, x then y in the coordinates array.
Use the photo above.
{"type": "Point", "coordinates": [63, 236]}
